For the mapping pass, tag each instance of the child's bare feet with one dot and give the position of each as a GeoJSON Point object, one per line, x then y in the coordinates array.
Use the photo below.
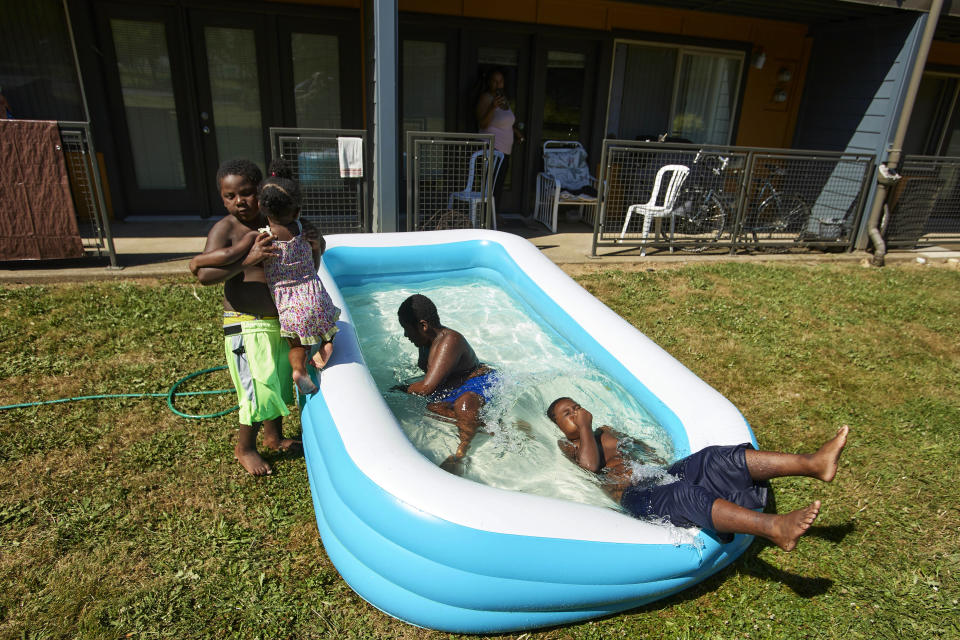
{"type": "Point", "coordinates": [322, 356]}
{"type": "Point", "coordinates": [285, 445]}
{"type": "Point", "coordinates": [251, 461]}
{"type": "Point", "coordinates": [827, 457]}
{"type": "Point", "coordinates": [788, 528]}
{"type": "Point", "coordinates": [304, 383]}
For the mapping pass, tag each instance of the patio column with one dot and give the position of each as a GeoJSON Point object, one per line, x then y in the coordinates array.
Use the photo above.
{"type": "Point", "coordinates": [380, 34]}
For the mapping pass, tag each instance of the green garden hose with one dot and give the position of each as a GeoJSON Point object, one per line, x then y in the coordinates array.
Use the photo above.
{"type": "Point", "coordinates": [169, 395]}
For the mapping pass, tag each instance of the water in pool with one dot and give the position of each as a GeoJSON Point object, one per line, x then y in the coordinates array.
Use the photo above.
{"type": "Point", "coordinates": [519, 449]}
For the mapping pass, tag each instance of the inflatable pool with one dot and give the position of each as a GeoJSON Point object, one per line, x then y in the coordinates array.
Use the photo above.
{"type": "Point", "coordinates": [443, 552]}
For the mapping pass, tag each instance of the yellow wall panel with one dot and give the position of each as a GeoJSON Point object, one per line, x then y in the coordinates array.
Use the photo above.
{"type": "Point", "coordinates": [514, 10]}
{"type": "Point", "coordinates": [781, 42]}
{"type": "Point", "coordinates": [763, 121]}
{"type": "Point", "coordinates": [624, 16]}
{"type": "Point", "coordinates": [351, 4]}
{"type": "Point", "coordinates": [439, 7]}
{"type": "Point", "coordinates": [944, 53]}
{"type": "Point", "coordinates": [712, 25]}
{"type": "Point", "coordinates": [586, 15]}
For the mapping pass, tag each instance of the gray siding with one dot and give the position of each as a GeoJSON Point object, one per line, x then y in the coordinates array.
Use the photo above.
{"type": "Point", "coordinates": [854, 92]}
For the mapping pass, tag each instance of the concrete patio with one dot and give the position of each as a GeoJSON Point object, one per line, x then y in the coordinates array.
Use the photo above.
{"type": "Point", "coordinates": [148, 248]}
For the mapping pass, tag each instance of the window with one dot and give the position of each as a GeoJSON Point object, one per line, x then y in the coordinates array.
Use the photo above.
{"type": "Point", "coordinates": [148, 101]}
{"type": "Point", "coordinates": [563, 99]}
{"type": "Point", "coordinates": [935, 122]}
{"type": "Point", "coordinates": [686, 92]}
{"type": "Point", "coordinates": [37, 68]}
{"type": "Point", "coordinates": [232, 60]}
{"type": "Point", "coordinates": [316, 79]}
{"type": "Point", "coordinates": [424, 86]}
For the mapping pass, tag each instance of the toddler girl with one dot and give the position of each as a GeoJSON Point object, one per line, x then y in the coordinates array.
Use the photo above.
{"type": "Point", "coordinates": [307, 314]}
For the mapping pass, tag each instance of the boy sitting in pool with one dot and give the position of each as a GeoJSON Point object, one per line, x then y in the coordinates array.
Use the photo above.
{"type": "Point", "coordinates": [717, 488]}
{"type": "Point", "coordinates": [456, 382]}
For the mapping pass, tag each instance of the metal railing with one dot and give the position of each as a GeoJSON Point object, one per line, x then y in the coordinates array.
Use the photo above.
{"type": "Point", "coordinates": [334, 203]}
{"type": "Point", "coordinates": [83, 170]}
{"type": "Point", "coordinates": [449, 180]}
{"type": "Point", "coordinates": [925, 203]}
{"type": "Point", "coordinates": [726, 198]}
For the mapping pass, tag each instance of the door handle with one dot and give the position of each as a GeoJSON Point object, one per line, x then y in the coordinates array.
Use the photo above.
{"type": "Point", "coordinates": [205, 129]}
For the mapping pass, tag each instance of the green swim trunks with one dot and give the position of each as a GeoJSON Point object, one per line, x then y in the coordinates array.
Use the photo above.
{"type": "Point", "coordinates": [259, 365]}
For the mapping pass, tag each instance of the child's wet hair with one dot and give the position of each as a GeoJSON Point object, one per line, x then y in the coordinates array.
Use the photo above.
{"type": "Point", "coordinates": [240, 167]}
{"type": "Point", "coordinates": [553, 407]}
{"type": "Point", "coordinates": [279, 193]}
{"type": "Point", "coordinates": [416, 308]}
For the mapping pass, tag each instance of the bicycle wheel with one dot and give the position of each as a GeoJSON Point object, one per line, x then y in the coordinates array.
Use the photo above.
{"type": "Point", "coordinates": [794, 214]}
{"type": "Point", "coordinates": [766, 220]}
{"type": "Point", "coordinates": [707, 224]}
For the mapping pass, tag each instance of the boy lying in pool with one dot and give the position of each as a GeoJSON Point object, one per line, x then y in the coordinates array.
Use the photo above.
{"type": "Point", "coordinates": [716, 488]}
{"type": "Point", "coordinates": [456, 382]}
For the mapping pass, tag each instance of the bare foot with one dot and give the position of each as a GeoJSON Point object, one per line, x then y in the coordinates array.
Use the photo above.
{"type": "Point", "coordinates": [827, 457]}
{"type": "Point", "coordinates": [286, 445]}
{"type": "Point", "coordinates": [453, 465]}
{"type": "Point", "coordinates": [788, 528]}
{"type": "Point", "coordinates": [250, 460]}
{"type": "Point", "coordinates": [304, 383]}
{"type": "Point", "coordinates": [322, 356]}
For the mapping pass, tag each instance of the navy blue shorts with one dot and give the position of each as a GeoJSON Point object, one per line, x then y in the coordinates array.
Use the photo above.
{"type": "Point", "coordinates": [702, 477]}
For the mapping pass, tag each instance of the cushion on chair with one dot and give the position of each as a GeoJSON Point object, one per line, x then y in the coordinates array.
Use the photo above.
{"type": "Point", "coordinates": [567, 166]}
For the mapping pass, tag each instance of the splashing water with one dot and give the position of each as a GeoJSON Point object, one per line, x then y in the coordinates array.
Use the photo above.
{"type": "Point", "coordinates": [518, 448]}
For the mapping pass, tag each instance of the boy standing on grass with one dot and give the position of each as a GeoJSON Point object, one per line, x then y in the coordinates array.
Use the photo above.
{"type": "Point", "coordinates": [256, 353]}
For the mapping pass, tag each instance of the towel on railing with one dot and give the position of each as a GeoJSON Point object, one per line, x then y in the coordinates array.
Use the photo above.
{"type": "Point", "coordinates": [351, 157]}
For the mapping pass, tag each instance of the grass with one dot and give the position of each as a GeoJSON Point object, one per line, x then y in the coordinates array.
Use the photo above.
{"type": "Point", "coordinates": [119, 519]}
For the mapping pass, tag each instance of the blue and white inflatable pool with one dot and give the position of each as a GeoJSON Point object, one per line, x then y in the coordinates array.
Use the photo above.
{"type": "Point", "coordinates": [443, 552]}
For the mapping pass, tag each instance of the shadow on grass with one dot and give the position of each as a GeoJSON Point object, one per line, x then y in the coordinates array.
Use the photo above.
{"type": "Point", "coordinates": [751, 564]}
{"type": "Point", "coordinates": [833, 533]}
{"type": "Point", "coordinates": [747, 564]}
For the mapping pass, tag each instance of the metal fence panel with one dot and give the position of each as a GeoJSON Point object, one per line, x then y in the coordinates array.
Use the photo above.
{"type": "Point", "coordinates": [449, 181]}
{"type": "Point", "coordinates": [803, 198]}
{"type": "Point", "coordinates": [335, 203]}
{"type": "Point", "coordinates": [728, 197]}
{"type": "Point", "coordinates": [83, 171]}
{"type": "Point", "coordinates": [925, 203]}
{"type": "Point", "coordinates": [701, 212]}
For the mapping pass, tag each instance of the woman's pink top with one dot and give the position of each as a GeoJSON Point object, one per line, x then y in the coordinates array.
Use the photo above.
{"type": "Point", "coordinates": [501, 126]}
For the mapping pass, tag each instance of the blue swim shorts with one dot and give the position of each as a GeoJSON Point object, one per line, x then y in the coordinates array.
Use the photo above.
{"type": "Point", "coordinates": [702, 477]}
{"type": "Point", "coordinates": [481, 385]}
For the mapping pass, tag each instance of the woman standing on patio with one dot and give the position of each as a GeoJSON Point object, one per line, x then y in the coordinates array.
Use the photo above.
{"type": "Point", "coordinates": [494, 116]}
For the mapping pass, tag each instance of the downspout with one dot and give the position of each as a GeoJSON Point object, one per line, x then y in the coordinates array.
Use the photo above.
{"type": "Point", "coordinates": [888, 170]}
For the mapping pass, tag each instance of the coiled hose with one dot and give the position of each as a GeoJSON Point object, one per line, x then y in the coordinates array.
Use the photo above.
{"type": "Point", "coordinates": [170, 395]}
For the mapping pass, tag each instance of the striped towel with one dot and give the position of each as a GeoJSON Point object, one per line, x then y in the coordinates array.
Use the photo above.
{"type": "Point", "coordinates": [351, 157]}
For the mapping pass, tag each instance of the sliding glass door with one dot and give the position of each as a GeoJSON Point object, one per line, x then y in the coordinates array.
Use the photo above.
{"type": "Point", "coordinates": [688, 93]}
{"type": "Point", "coordinates": [935, 122]}
{"type": "Point", "coordinates": [190, 88]}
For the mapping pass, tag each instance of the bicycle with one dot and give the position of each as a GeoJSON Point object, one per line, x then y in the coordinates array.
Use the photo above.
{"type": "Point", "coordinates": [704, 208]}
{"type": "Point", "coordinates": [777, 213]}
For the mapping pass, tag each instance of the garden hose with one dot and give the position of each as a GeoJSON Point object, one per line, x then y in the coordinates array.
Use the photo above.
{"type": "Point", "coordinates": [169, 395]}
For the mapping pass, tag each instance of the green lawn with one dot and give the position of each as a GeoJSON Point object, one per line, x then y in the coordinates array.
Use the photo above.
{"type": "Point", "coordinates": [119, 519]}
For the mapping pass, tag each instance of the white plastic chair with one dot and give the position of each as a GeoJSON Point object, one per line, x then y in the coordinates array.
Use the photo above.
{"type": "Point", "coordinates": [564, 167]}
{"type": "Point", "coordinates": [651, 209]}
{"type": "Point", "coordinates": [474, 197]}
